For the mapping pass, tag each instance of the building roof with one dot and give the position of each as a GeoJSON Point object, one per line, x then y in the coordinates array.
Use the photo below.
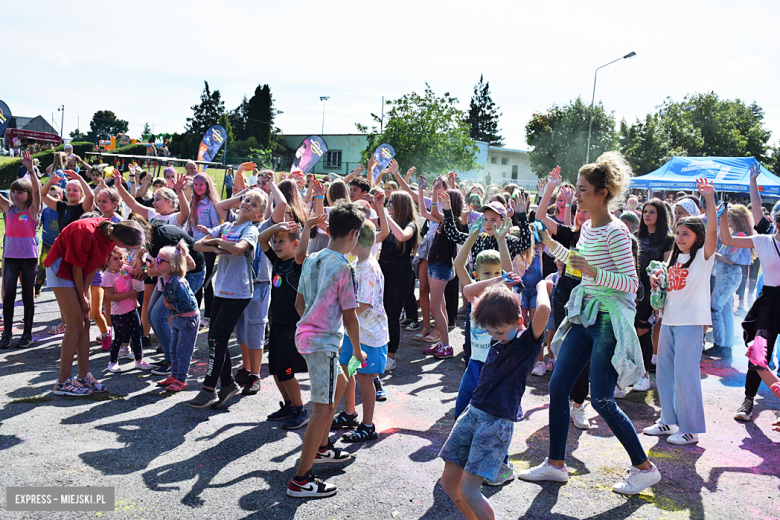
{"type": "Point", "coordinates": [35, 124]}
{"type": "Point", "coordinates": [502, 149]}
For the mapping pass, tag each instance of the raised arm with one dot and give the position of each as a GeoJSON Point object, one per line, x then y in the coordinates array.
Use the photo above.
{"type": "Point", "coordinates": [503, 248]}
{"type": "Point", "coordinates": [303, 243]}
{"type": "Point", "coordinates": [89, 198]}
{"type": "Point", "coordinates": [553, 180]}
{"type": "Point", "coordinates": [35, 206]}
{"type": "Point", "coordinates": [568, 196]}
{"type": "Point", "coordinates": [184, 204]}
{"type": "Point", "coordinates": [401, 181]}
{"type": "Point", "coordinates": [755, 195]}
{"type": "Point", "coordinates": [280, 208]}
{"type": "Point", "coordinates": [543, 290]}
{"type": "Point", "coordinates": [707, 190]}
{"type": "Point", "coordinates": [462, 258]}
{"type": "Point", "coordinates": [45, 197]}
{"type": "Point", "coordinates": [378, 201]}
{"type": "Point", "coordinates": [128, 199]}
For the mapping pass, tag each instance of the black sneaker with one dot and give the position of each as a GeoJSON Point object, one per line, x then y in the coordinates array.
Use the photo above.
{"type": "Point", "coordinates": [282, 413]}
{"type": "Point", "coordinates": [298, 419]}
{"type": "Point", "coordinates": [330, 454]}
{"type": "Point", "coordinates": [252, 385]}
{"type": "Point", "coordinates": [146, 342]}
{"type": "Point", "coordinates": [225, 394]}
{"type": "Point", "coordinates": [310, 487]}
{"type": "Point", "coordinates": [5, 340]}
{"type": "Point", "coordinates": [344, 421]}
{"type": "Point", "coordinates": [242, 376]}
{"type": "Point", "coordinates": [718, 352]}
{"type": "Point", "coordinates": [25, 341]}
{"type": "Point", "coordinates": [203, 399]}
{"type": "Point", "coordinates": [163, 369]}
{"type": "Point", "coordinates": [745, 412]}
{"type": "Point", "coordinates": [159, 350]}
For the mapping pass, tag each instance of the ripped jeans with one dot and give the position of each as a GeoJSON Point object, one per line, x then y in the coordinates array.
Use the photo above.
{"type": "Point", "coordinates": [595, 344]}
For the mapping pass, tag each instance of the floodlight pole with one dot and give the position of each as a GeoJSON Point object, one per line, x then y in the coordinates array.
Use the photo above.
{"type": "Point", "coordinates": [323, 99]}
{"type": "Point", "coordinates": [593, 99]}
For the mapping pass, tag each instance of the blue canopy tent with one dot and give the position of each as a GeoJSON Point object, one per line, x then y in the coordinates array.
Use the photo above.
{"type": "Point", "coordinates": [728, 174]}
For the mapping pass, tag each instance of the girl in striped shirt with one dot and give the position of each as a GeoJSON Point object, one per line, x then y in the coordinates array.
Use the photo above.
{"type": "Point", "coordinates": [599, 327]}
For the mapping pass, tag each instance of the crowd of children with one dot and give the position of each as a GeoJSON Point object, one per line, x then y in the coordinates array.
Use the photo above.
{"type": "Point", "coordinates": [323, 275]}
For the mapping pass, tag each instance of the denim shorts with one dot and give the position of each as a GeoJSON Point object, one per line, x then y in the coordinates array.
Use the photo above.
{"type": "Point", "coordinates": [324, 371]}
{"type": "Point", "coordinates": [250, 328]}
{"type": "Point", "coordinates": [440, 272]}
{"type": "Point", "coordinates": [528, 298]}
{"type": "Point", "coordinates": [478, 442]}
{"type": "Point", "coordinates": [376, 357]}
{"type": "Point", "coordinates": [52, 280]}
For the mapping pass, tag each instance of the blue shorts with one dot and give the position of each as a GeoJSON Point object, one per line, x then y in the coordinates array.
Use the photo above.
{"type": "Point", "coordinates": [478, 442]}
{"type": "Point", "coordinates": [376, 357]}
{"type": "Point", "coordinates": [250, 328]}
{"type": "Point", "coordinates": [440, 272]}
{"type": "Point", "coordinates": [52, 280]}
{"type": "Point", "coordinates": [528, 298]}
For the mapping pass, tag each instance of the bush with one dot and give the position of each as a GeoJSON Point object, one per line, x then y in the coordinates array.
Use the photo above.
{"type": "Point", "coordinates": [8, 170]}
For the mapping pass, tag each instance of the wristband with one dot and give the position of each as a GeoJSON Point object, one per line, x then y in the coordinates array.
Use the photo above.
{"type": "Point", "coordinates": [568, 205]}
{"type": "Point", "coordinates": [434, 204]}
{"type": "Point", "coordinates": [319, 196]}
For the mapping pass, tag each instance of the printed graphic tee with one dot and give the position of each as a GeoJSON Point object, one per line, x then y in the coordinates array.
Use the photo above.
{"type": "Point", "coordinates": [688, 298]}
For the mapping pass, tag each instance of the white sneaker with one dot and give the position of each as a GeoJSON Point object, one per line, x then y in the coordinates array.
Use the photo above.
{"type": "Point", "coordinates": [579, 416]}
{"type": "Point", "coordinates": [538, 369]}
{"type": "Point", "coordinates": [546, 472]}
{"type": "Point", "coordinates": [619, 393]}
{"type": "Point", "coordinates": [390, 364]}
{"type": "Point", "coordinates": [637, 480]}
{"type": "Point", "coordinates": [114, 367]}
{"type": "Point", "coordinates": [124, 353]}
{"type": "Point", "coordinates": [204, 323]}
{"type": "Point", "coordinates": [683, 438]}
{"type": "Point", "coordinates": [660, 428]}
{"type": "Point", "coordinates": [143, 365]}
{"type": "Point", "coordinates": [505, 474]}
{"type": "Point", "coordinates": [643, 385]}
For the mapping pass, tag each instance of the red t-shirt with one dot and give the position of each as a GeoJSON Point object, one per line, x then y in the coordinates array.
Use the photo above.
{"type": "Point", "coordinates": [82, 245]}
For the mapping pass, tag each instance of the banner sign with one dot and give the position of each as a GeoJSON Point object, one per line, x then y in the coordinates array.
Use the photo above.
{"type": "Point", "coordinates": [383, 154]}
{"type": "Point", "coordinates": [5, 116]}
{"type": "Point", "coordinates": [306, 156]}
{"type": "Point", "coordinates": [211, 143]}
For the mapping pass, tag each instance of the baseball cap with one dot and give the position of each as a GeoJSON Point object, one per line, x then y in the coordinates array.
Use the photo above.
{"type": "Point", "coordinates": [494, 206]}
{"type": "Point", "coordinates": [68, 146]}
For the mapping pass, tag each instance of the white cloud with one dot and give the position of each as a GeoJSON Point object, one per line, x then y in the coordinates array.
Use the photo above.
{"type": "Point", "coordinates": [57, 58]}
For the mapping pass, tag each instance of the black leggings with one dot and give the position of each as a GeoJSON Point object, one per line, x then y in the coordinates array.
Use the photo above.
{"type": "Point", "coordinates": [127, 329]}
{"type": "Point", "coordinates": [410, 307]}
{"type": "Point", "coordinates": [749, 272]}
{"type": "Point", "coordinates": [207, 287]}
{"type": "Point", "coordinates": [399, 282]}
{"type": "Point", "coordinates": [451, 300]}
{"type": "Point", "coordinates": [225, 315]}
{"type": "Point", "coordinates": [11, 269]}
{"type": "Point", "coordinates": [770, 327]}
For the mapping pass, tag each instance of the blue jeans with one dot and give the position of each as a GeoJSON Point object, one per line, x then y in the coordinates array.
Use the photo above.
{"type": "Point", "coordinates": [679, 377]}
{"type": "Point", "coordinates": [183, 336]}
{"type": "Point", "coordinates": [595, 344]}
{"type": "Point", "coordinates": [158, 314]}
{"type": "Point", "coordinates": [722, 303]}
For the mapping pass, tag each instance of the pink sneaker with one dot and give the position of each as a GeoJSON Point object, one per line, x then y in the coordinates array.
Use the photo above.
{"type": "Point", "coordinates": [105, 342]}
{"type": "Point", "coordinates": [143, 365]}
{"type": "Point", "coordinates": [433, 349]}
{"type": "Point", "coordinates": [776, 389]}
{"type": "Point", "coordinates": [756, 352]}
{"type": "Point", "coordinates": [445, 352]}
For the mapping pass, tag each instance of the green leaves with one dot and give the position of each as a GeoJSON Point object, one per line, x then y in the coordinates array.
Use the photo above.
{"type": "Point", "coordinates": [426, 131]}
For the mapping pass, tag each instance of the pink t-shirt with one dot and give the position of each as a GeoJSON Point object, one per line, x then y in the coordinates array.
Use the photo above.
{"type": "Point", "coordinates": [121, 284]}
{"type": "Point", "coordinates": [20, 230]}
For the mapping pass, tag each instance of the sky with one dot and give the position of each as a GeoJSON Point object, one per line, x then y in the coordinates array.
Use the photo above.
{"type": "Point", "coordinates": [147, 62]}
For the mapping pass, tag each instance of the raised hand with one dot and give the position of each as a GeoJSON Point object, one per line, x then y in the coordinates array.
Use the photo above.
{"type": "Point", "coordinates": [567, 193]}
{"type": "Point", "coordinates": [467, 209]}
{"type": "Point", "coordinates": [476, 226]}
{"type": "Point", "coordinates": [70, 174]}
{"type": "Point", "coordinates": [28, 162]}
{"type": "Point", "coordinates": [315, 220]}
{"type": "Point", "coordinates": [705, 187]}
{"type": "Point", "coordinates": [247, 166]}
{"type": "Point", "coordinates": [755, 170]}
{"type": "Point", "coordinates": [421, 181]}
{"type": "Point", "coordinates": [410, 171]}
{"type": "Point", "coordinates": [540, 184]}
{"type": "Point", "coordinates": [522, 202]}
{"type": "Point", "coordinates": [452, 178]}
{"type": "Point", "coordinates": [358, 170]}
{"type": "Point", "coordinates": [180, 182]}
{"type": "Point", "coordinates": [510, 279]}
{"type": "Point", "coordinates": [393, 166]}
{"type": "Point", "coordinates": [379, 200]}
{"type": "Point", "coordinates": [319, 188]}
{"type": "Point", "coordinates": [444, 200]}
{"type": "Point", "coordinates": [502, 231]}
{"type": "Point", "coordinates": [555, 178]}
{"type": "Point", "coordinates": [288, 226]}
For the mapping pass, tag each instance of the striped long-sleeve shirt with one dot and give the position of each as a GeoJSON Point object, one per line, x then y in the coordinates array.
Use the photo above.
{"type": "Point", "coordinates": [485, 242]}
{"type": "Point", "coordinates": [608, 250]}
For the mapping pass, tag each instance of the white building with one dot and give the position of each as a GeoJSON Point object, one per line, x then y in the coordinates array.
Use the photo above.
{"type": "Point", "coordinates": [504, 165]}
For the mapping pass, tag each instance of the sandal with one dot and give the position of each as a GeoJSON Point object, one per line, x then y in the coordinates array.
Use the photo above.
{"type": "Point", "coordinates": [362, 434]}
{"type": "Point", "coordinates": [421, 335]}
{"type": "Point", "coordinates": [57, 329]}
{"type": "Point", "coordinates": [344, 421]}
{"type": "Point", "coordinates": [176, 386]}
{"type": "Point", "coordinates": [431, 339]}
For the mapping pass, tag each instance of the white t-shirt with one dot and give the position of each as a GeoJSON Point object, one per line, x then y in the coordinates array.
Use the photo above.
{"type": "Point", "coordinates": [171, 219]}
{"type": "Point", "coordinates": [770, 262]}
{"type": "Point", "coordinates": [371, 287]}
{"type": "Point", "coordinates": [688, 298]}
{"type": "Point", "coordinates": [480, 342]}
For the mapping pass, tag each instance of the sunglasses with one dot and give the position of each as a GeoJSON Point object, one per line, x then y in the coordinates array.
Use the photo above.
{"type": "Point", "coordinates": [159, 260]}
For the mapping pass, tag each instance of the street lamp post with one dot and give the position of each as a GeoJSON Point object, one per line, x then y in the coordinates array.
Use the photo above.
{"type": "Point", "coordinates": [62, 120]}
{"type": "Point", "coordinates": [323, 99]}
{"type": "Point", "coordinates": [593, 99]}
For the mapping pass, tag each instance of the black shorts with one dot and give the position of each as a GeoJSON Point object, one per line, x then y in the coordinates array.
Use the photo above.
{"type": "Point", "coordinates": [284, 361]}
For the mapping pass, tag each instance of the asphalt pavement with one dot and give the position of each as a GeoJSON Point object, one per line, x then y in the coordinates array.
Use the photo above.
{"type": "Point", "coordinates": [167, 460]}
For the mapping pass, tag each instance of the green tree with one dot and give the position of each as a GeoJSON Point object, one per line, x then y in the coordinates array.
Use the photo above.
{"type": "Point", "coordinates": [77, 136]}
{"type": "Point", "coordinates": [104, 124]}
{"type": "Point", "coordinates": [701, 125]}
{"type": "Point", "coordinates": [205, 114]}
{"type": "Point", "coordinates": [560, 137]}
{"type": "Point", "coordinates": [147, 131]}
{"type": "Point", "coordinates": [238, 120]}
{"type": "Point", "coordinates": [260, 119]}
{"type": "Point", "coordinates": [483, 116]}
{"type": "Point", "coordinates": [426, 131]}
